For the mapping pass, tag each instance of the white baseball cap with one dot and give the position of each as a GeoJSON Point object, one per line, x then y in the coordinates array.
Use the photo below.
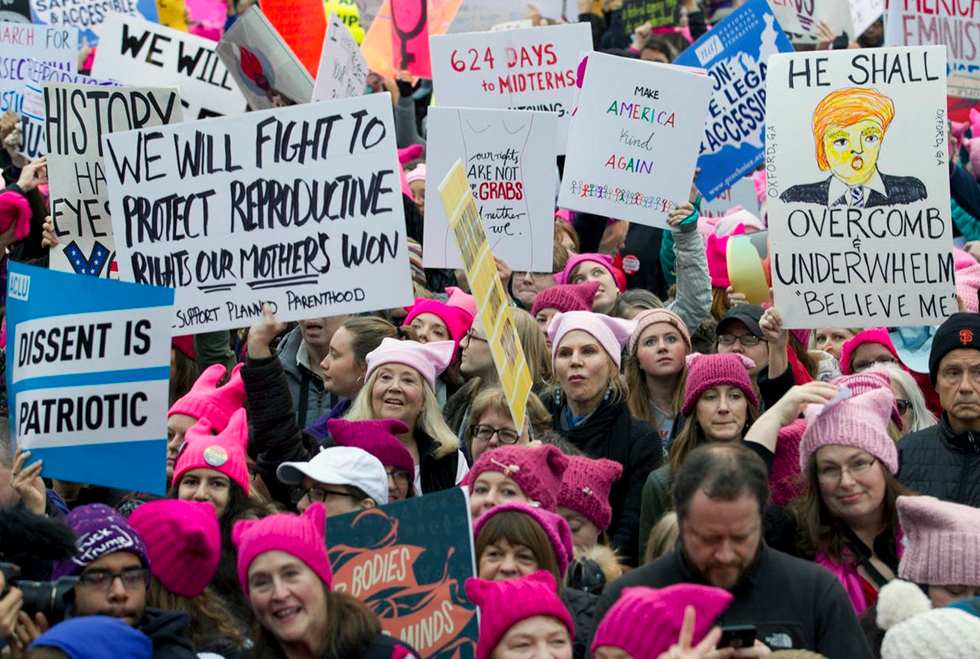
{"type": "Point", "coordinates": [341, 465]}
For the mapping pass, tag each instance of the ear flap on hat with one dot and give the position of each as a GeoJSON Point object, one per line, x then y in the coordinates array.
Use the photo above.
{"type": "Point", "coordinates": [210, 378]}
{"type": "Point", "coordinates": [476, 588]}
{"type": "Point", "coordinates": [395, 426]}
{"type": "Point", "coordinates": [202, 428]}
{"type": "Point", "coordinates": [610, 469]}
{"type": "Point", "coordinates": [544, 577]}
{"type": "Point", "coordinates": [440, 352]}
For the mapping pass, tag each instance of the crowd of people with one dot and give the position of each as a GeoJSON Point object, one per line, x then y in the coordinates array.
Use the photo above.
{"type": "Point", "coordinates": [693, 480]}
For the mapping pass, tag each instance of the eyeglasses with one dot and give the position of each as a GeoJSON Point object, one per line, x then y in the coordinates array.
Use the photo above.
{"type": "Point", "coordinates": [903, 405]}
{"type": "Point", "coordinates": [317, 494]}
{"type": "Point", "coordinates": [486, 433]}
{"type": "Point", "coordinates": [747, 340]}
{"type": "Point", "coordinates": [864, 365]}
{"type": "Point", "coordinates": [473, 336]}
{"type": "Point", "coordinates": [832, 474]}
{"type": "Point", "coordinates": [132, 578]}
{"type": "Point", "coordinates": [400, 477]}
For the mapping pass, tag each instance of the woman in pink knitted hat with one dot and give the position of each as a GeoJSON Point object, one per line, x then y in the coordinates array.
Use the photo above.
{"type": "Point", "coordinates": [832, 339]}
{"type": "Point", "coordinates": [529, 474]}
{"type": "Point", "coordinates": [583, 268]}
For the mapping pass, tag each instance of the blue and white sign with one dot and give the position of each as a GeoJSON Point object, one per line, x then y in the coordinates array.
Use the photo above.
{"type": "Point", "coordinates": [87, 15]}
{"type": "Point", "coordinates": [735, 53]}
{"type": "Point", "coordinates": [88, 367]}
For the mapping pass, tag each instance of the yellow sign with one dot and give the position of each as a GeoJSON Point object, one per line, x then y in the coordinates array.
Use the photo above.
{"type": "Point", "coordinates": [745, 270]}
{"type": "Point", "coordinates": [493, 307]}
{"type": "Point", "coordinates": [173, 14]}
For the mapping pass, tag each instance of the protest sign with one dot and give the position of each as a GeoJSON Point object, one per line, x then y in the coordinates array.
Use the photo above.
{"type": "Point", "coordinates": [88, 367]}
{"type": "Point", "coordinates": [355, 14]}
{"type": "Point", "coordinates": [87, 15]}
{"type": "Point", "coordinates": [961, 86]}
{"type": "Point", "coordinates": [15, 11]}
{"type": "Point", "coordinates": [480, 16]}
{"type": "Point", "coordinates": [803, 17]}
{"type": "Point", "coordinates": [492, 303]}
{"type": "Point", "coordinates": [20, 43]}
{"type": "Point", "coordinates": [296, 207]}
{"type": "Point", "coordinates": [378, 44]}
{"type": "Point", "coordinates": [133, 51]}
{"type": "Point", "coordinates": [858, 187]}
{"type": "Point", "coordinates": [863, 14]}
{"type": "Point", "coordinates": [953, 24]}
{"type": "Point", "coordinates": [408, 562]}
{"type": "Point", "coordinates": [742, 193]}
{"type": "Point", "coordinates": [343, 71]}
{"type": "Point", "coordinates": [173, 13]}
{"type": "Point", "coordinates": [301, 24]}
{"type": "Point", "coordinates": [735, 53]}
{"type": "Point", "coordinates": [656, 12]}
{"type": "Point", "coordinates": [77, 116]}
{"type": "Point", "coordinates": [266, 71]}
{"type": "Point", "coordinates": [633, 141]}
{"type": "Point", "coordinates": [209, 13]}
{"type": "Point", "coordinates": [410, 37]}
{"type": "Point", "coordinates": [510, 163]}
{"type": "Point", "coordinates": [531, 69]}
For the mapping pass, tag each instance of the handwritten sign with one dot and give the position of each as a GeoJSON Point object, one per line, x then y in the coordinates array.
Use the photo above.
{"type": "Point", "coordinates": [858, 187]}
{"type": "Point", "coordinates": [301, 24]}
{"type": "Point", "coordinates": [77, 116]}
{"type": "Point", "coordinates": [133, 51]}
{"type": "Point", "coordinates": [23, 43]}
{"type": "Point", "coordinates": [410, 37]}
{"type": "Point", "coordinates": [735, 53]}
{"type": "Point", "coordinates": [493, 306]}
{"type": "Point", "coordinates": [88, 365]}
{"type": "Point", "coordinates": [510, 163]}
{"type": "Point", "coordinates": [656, 12]}
{"type": "Point", "coordinates": [408, 562]}
{"type": "Point", "coordinates": [266, 71]}
{"type": "Point", "coordinates": [87, 15]}
{"type": "Point", "coordinates": [515, 69]}
{"type": "Point", "coordinates": [15, 11]}
{"type": "Point", "coordinates": [741, 193]}
{"type": "Point", "coordinates": [297, 207]}
{"type": "Point", "coordinates": [343, 71]}
{"type": "Point", "coordinates": [955, 25]}
{"type": "Point", "coordinates": [634, 139]}
{"type": "Point", "coordinates": [173, 13]}
{"type": "Point", "coordinates": [863, 14]}
{"type": "Point", "coordinates": [378, 45]}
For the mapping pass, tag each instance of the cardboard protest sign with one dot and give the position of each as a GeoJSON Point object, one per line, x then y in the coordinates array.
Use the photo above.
{"type": "Point", "coordinates": [515, 69]}
{"type": "Point", "coordinates": [656, 12]}
{"type": "Point", "coordinates": [408, 562]}
{"type": "Point", "coordinates": [492, 303]}
{"type": "Point", "coordinates": [266, 71]}
{"type": "Point", "coordinates": [77, 116]}
{"type": "Point", "coordinates": [378, 43]}
{"type": "Point", "coordinates": [633, 141]}
{"type": "Point", "coordinates": [953, 24]}
{"type": "Point", "coordinates": [961, 86]}
{"type": "Point", "coordinates": [15, 11]}
{"type": "Point", "coordinates": [88, 367]}
{"type": "Point", "coordinates": [863, 14]}
{"type": "Point", "coordinates": [410, 37]}
{"type": "Point", "coordinates": [858, 187]}
{"type": "Point", "coordinates": [133, 51]}
{"type": "Point", "coordinates": [209, 13]}
{"type": "Point", "coordinates": [741, 193]}
{"type": "Point", "coordinates": [355, 14]}
{"type": "Point", "coordinates": [343, 71]}
{"type": "Point", "coordinates": [296, 207]}
{"type": "Point", "coordinates": [87, 15]}
{"type": "Point", "coordinates": [20, 43]}
{"type": "Point", "coordinates": [735, 53]}
{"type": "Point", "coordinates": [480, 16]}
{"type": "Point", "coordinates": [510, 163]}
{"type": "Point", "coordinates": [301, 24]}
{"type": "Point", "coordinates": [172, 13]}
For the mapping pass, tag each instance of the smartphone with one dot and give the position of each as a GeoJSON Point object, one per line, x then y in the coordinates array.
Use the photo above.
{"type": "Point", "coordinates": [737, 636]}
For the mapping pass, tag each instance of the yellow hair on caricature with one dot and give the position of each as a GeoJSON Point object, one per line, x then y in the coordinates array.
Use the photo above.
{"type": "Point", "coordinates": [846, 107]}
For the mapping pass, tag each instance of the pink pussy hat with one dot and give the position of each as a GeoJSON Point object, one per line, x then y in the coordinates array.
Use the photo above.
{"type": "Point", "coordinates": [207, 400]}
{"type": "Point", "coordinates": [859, 420]}
{"type": "Point", "coordinates": [537, 470]}
{"type": "Point", "coordinates": [429, 359]}
{"type": "Point", "coordinates": [942, 542]}
{"type": "Point", "coordinates": [224, 452]}
{"type": "Point", "coordinates": [611, 333]}
{"type": "Point", "coordinates": [585, 488]}
{"type": "Point", "coordinates": [377, 437]}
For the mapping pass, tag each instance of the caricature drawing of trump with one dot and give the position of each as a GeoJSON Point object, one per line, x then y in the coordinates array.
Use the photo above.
{"type": "Point", "coordinates": [849, 126]}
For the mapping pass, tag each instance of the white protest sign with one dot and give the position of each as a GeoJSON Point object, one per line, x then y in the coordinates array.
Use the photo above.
{"type": "Point", "coordinates": [634, 139]}
{"type": "Point", "coordinates": [509, 158]}
{"type": "Point", "coordinates": [343, 70]}
{"type": "Point", "coordinates": [76, 118]}
{"type": "Point", "coordinates": [954, 24]}
{"type": "Point", "coordinates": [514, 69]}
{"type": "Point", "coordinates": [858, 187]}
{"type": "Point", "coordinates": [134, 51]}
{"type": "Point", "coordinates": [863, 14]}
{"type": "Point", "coordinates": [20, 44]}
{"type": "Point", "coordinates": [742, 193]}
{"type": "Point", "coordinates": [85, 14]}
{"type": "Point", "coordinates": [297, 207]}
{"type": "Point", "coordinates": [803, 16]}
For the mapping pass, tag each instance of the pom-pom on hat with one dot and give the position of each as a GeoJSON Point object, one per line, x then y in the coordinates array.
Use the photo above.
{"type": "Point", "coordinates": [915, 631]}
{"type": "Point", "coordinates": [611, 333]}
{"type": "Point", "coordinates": [537, 470]}
{"type": "Point", "coordinates": [377, 437]}
{"type": "Point", "coordinates": [505, 603]}
{"type": "Point", "coordinates": [942, 542]}
{"type": "Point", "coordinates": [644, 622]}
{"type": "Point", "coordinates": [224, 452]}
{"type": "Point", "coordinates": [302, 536]}
{"type": "Point", "coordinates": [429, 359]}
{"type": "Point", "coordinates": [860, 421]}
{"type": "Point", "coordinates": [566, 297]}
{"type": "Point", "coordinates": [208, 400]}
{"type": "Point", "coordinates": [456, 319]}
{"type": "Point", "coordinates": [99, 531]}
{"type": "Point", "coordinates": [183, 542]}
{"type": "Point", "coordinates": [554, 526]}
{"type": "Point", "coordinates": [646, 318]}
{"type": "Point", "coordinates": [585, 488]}
{"type": "Point", "coordinates": [707, 371]}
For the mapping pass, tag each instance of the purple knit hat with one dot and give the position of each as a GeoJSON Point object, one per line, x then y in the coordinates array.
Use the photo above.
{"type": "Point", "coordinates": [377, 437]}
{"type": "Point", "coordinates": [537, 470]}
{"type": "Point", "coordinates": [644, 622]}
{"type": "Point", "coordinates": [706, 371]}
{"type": "Point", "coordinates": [566, 297]}
{"type": "Point", "coordinates": [554, 526]}
{"type": "Point", "coordinates": [99, 530]}
{"type": "Point", "coordinates": [942, 542]}
{"type": "Point", "coordinates": [859, 420]}
{"type": "Point", "coordinates": [585, 488]}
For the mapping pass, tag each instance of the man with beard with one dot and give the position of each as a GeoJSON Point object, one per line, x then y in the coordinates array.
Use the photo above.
{"type": "Point", "coordinates": [720, 494]}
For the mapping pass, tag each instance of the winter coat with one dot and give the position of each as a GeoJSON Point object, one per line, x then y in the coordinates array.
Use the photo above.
{"type": "Point", "coordinates": [689, 268]}
{"type": "Point", "coordinates": [168, 631]}
{"type": "Point", "coordinates": [582, 607]}
{"type": "Point", "coordinates": [310, 399]}
{"type": "Point", "coordinates": [939, 462]}
{"type": "Point", "coordinates": [794, 604]}
{"type": "Point", "coordinates": [612, 433]}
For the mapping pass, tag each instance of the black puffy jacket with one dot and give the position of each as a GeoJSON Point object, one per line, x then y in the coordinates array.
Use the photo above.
{"type": "Point", "coordinates": [582, 607]}
{"type": "Point", "coordinates": [942, 463]}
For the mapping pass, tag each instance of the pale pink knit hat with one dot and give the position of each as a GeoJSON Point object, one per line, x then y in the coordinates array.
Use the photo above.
{"type": "Point", "coordinates": [429, 359]}
{"type": "Point", "coordinates": [537, 470]}
{"type": "Point", "coordinates": [648, 317]}
{"type": "Point", "coordinates": [611, 333]}
{"type": "Point", "coordinates": [207, 400]}
{"type": "Point", "coordinates": [858, 420]}
{"type": "Point", "coordinates": [585, 488]}
{"type": "Point", "coordinates": [942, 542]}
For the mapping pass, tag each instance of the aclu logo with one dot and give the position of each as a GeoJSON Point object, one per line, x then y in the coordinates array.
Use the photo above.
{"type": "Point", "coordinates": [709, 49]}
{"type": "Point", "coordinates": [19, 286]}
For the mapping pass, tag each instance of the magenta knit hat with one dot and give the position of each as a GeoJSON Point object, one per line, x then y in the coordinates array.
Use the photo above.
{"type": "Point", "coordinates": [877, 335]}
{"type": "Point", "coordinates": [644, 622]}
{"type": "Point", "coordinates": [457, 319]}
{"type": "Point", "coordinates": [864, 381]}
{"type": "Point", "coordinates": [859, 420]}
{"type": "Point", "coordinates": [566, 297]}
{"type": "Point", "coordinates": [646, 318]}
{"type": "Point", "coordinates": [206, 400]}
{"type": "Point", "coordinates": [611, 333]}
{"type": "Point", "coordinates": [565, 276]}
{"type": "Point", "coordinates": [716, 252]}
{"type": "Point", "coordinates": [224, 452]}
{"type": "Point", "coordinates": [537, 470]}
{"type": "Point", "coordinates": [554, 526]}
{"type": "Point", "coordinates": [377, 437]}
{"type": "Point", "coordinates": [183, 541]}
{"type": "Point", "coordinates": [785, 480]}
{"type": "Point", "coordinates": [303, 536]}
{"type": "Point", "coordinates": [706, 371]}
{"type": "Point", "coordinates": [585, 488]}
{"type": "Point", "coordinates": [505, 603]}
{"type": "Point", "coordinates": [429, 359]}
{"type": "Point", "coordinates": [942, 542]}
